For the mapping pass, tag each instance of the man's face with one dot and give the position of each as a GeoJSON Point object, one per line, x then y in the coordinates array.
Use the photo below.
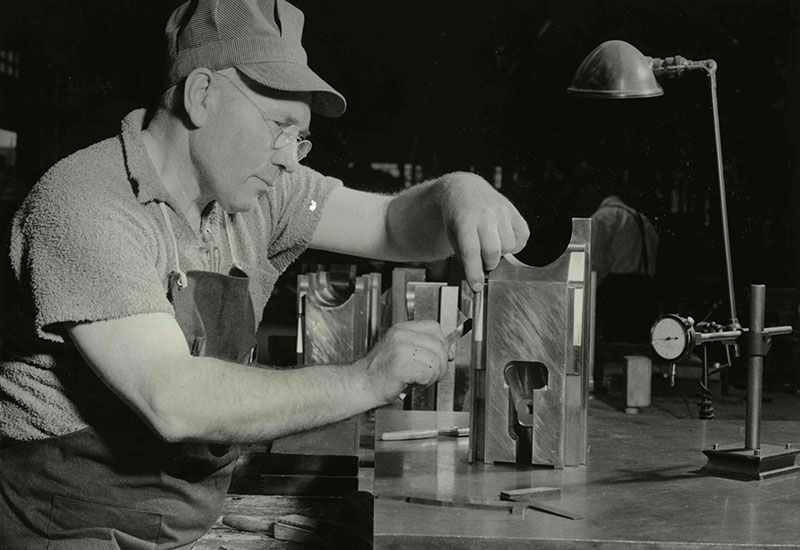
{"type": "Point", "coordinates": [237, 157]}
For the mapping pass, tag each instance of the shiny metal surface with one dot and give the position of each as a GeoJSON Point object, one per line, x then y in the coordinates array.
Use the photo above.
{"type": "Point", "coordinates": [615, 70]}
{"type": "Point", "coordinates": [640, 489]}
{"type": "Point", "coordinates": [401, 276]}
{"type": "Point", "coordinates": [755, 370]}
{"type": "Point", "coordinates": [336, 327]}
{"type": "Point", "coordinates": [448, 319]}
{"type": "Point", "coordinates": [537, 325]}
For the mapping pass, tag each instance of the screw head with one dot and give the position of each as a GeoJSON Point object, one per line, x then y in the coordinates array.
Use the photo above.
{"type": "Point", "coordinates": [757, 452]}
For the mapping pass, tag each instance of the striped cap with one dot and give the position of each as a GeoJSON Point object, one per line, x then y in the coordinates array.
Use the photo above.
{"type": "Point", "coordinates": [261, 38]}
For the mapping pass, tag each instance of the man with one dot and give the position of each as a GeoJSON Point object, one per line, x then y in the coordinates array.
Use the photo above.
{"type": "Point", "coordinates": [624, 248]}
{"type": "Point", "coordinates": [624, 240]}
{"type": "Point", "coordinates": [137, 271]}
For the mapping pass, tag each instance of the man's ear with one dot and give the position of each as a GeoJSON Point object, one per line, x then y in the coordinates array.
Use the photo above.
{"type": "Point", "coordinates": [197, 97]}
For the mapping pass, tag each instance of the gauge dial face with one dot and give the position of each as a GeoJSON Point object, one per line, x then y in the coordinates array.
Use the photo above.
{"type": "Point", "coordinates": [670, 337]}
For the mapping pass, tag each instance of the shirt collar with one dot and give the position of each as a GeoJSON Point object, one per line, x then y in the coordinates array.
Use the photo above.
{"type": "Point", "coordinates": [612, 200]}
{"type": "Point", "coordinates": [148, 186]}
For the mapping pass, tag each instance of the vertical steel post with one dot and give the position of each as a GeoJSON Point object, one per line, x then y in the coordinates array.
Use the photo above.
{"type": "Point", "coordinates": [477, 383]}
{"type": "Point", "coordinates": [755, 368]}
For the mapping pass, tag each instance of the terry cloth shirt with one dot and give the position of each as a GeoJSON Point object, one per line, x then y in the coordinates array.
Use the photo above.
{"type": "Point", "coordinates": [617, 240]}
{"type": "Point", "coordinates": [90, 243]}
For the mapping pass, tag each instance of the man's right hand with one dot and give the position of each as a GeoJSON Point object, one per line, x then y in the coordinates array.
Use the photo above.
{"type": "Point", "coordinates": [410, 353]}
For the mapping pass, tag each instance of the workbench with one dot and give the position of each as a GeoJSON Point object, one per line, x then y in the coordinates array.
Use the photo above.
{"type": "Point", "coordinates": [640, 489]}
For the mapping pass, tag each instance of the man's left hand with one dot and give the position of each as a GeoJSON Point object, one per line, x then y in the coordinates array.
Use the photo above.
{"type": "Point", "coordinates": [482, 224]}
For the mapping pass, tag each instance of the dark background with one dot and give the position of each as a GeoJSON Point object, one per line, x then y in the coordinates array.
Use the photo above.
{"type": "Point", "coordinates": [481, 84]}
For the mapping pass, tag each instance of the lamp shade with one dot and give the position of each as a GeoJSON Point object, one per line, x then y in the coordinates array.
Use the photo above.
{"type": "Point", "coordinates": [615, 70]}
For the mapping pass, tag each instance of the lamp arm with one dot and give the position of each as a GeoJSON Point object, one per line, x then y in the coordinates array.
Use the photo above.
{"type": "Point", "coordinates": [711, 68]}
{"type": "Point", "coordinates": [671, 67]}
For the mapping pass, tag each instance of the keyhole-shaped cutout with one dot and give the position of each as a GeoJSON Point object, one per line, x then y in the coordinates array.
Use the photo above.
{"type": "Point", "coordinates": [523, 378]}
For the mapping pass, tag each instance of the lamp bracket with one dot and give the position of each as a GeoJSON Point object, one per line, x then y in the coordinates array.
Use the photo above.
{"type": "Point", "coordinates": [671, 67]}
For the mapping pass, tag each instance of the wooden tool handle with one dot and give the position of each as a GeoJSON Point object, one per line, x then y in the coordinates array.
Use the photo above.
{"type": "Point", "coordinates": [250, 524]}
{"type": "Point", "coordinates": [409, 434]}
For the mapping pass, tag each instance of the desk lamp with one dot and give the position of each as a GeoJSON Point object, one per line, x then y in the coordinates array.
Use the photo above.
{"type": "Point", "coordinates": [617, 70]}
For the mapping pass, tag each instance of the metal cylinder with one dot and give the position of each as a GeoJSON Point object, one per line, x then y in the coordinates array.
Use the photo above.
{"type": "Point", "coordinates": [477, 377]}
{"type": "Point", "coordinates": [755, 368]}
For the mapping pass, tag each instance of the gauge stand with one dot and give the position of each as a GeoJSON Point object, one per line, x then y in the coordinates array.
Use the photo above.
{"type": "Point", "coordinates": [753, 460]}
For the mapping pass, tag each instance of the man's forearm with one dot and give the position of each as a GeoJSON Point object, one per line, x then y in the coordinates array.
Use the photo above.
{"type": "Point", "coordinates": [217, 402]}
{"type": "Point", "coordinates": [414, 221]}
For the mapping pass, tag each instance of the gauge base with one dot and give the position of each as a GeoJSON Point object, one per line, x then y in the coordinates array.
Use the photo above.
{"type": "Point", "coordinates": [734, 461]}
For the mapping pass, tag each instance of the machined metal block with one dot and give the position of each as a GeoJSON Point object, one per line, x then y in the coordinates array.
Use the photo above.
{"type": "Point", "coordinates": [437, 302]}
{"type": "Point", "coordinates": [401, 277]}
{"type": "Point", "coordinates": [337, 324]}
{"type": "Point", "coordinates": [530, 369]}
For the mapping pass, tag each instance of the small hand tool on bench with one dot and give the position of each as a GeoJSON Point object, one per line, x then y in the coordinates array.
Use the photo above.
{"type": "Point", "coordinates": [471, 504]}
{"type": "Point", "coordinates": [539, 507]}
{"type": "Point", "coordinates": [293, 527]}
{"type": "Point", "coordinates": [527, 494]}
{"type": "Point", "coordinates": [424, 434]}
{"type": "Point", "coordinates": [251, 524]}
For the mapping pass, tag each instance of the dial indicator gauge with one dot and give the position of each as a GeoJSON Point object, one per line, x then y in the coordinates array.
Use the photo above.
{"type": "Point", "coordinates": [671, 337]}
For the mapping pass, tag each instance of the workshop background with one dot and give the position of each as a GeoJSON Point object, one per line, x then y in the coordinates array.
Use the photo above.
{"type": "Point", "coordinates": [481, 85]}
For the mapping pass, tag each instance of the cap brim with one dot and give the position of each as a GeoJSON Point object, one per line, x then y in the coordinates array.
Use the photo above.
{"type": "Point", "coordinates": [294, 77]}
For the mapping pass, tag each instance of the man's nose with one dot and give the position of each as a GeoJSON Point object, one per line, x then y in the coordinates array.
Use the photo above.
{"type": "Point", "coordinates": [286, 158]}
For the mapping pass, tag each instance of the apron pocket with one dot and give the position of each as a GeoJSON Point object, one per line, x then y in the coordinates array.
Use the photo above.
{"type": "Point", "coordinates": [80, 525]}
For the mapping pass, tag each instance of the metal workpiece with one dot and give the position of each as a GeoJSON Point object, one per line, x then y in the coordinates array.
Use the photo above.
{"type": "Point", "coordinates": [532, 334]}
{"type": "Point", "coordinates": [338, 318]}
{"type": "Point", "coordinates": [438, 302]}
{"type": "Point", "coordinates": [338, 321]}
{"type": "Point", "coordinates": [401, 277]}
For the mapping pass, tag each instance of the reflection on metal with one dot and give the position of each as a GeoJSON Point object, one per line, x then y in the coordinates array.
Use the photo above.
{"type": "Point", "coordinates": [401, 277]}
{"type": "Point", "coordinates": [338, 316]}
{"type": "Point", "coordinates": [531, 361]}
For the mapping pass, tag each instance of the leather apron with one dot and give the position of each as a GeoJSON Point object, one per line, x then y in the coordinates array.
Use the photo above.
{"type": "Point", "coordinates": [115, 485]}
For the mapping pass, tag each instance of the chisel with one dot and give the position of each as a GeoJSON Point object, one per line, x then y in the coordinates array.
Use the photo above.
{"type": "Point", "coordinates": [449, 340]}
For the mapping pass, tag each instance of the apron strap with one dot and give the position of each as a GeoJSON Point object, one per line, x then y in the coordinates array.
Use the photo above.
{"type": "Point", "coordinates": [231, 247]}
{"type": "Point", "coordinates": [180, 274]}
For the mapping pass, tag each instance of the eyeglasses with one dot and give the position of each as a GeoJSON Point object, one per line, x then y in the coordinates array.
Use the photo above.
{"type": "Point", "coordinates": [286, 134]}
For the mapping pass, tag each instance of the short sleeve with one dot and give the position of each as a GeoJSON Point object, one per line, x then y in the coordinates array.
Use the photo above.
{"type": "Point", "coordinates": [296, 204]}
{"type": "Point", "coordinates": [81, 260]}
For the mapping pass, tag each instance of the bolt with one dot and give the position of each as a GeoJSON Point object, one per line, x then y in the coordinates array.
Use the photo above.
{"type": "Point", "coordinates": [788, 446]}
{"type": "Point", "coordinates": [716, 446]}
